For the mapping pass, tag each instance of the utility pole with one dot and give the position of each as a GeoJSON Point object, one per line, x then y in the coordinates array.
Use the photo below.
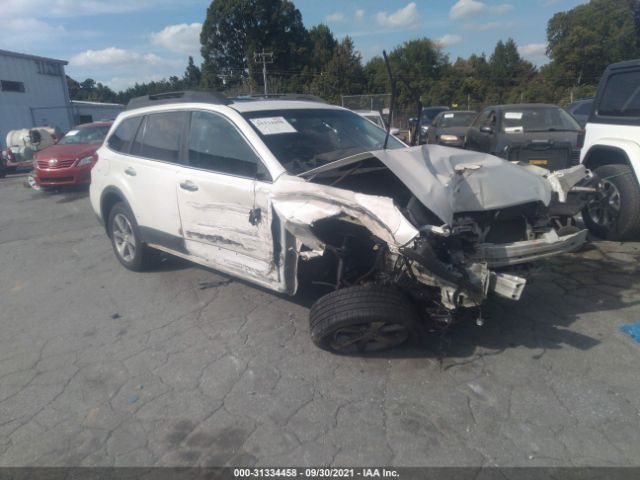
{"type": "Point", "coordinates": [264, 58]}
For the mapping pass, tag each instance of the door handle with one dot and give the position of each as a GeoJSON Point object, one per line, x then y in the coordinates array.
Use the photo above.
{"type": "Point", "coordinates": [130, 171]}
{"type": "Point", "coordinates": [189, 186]}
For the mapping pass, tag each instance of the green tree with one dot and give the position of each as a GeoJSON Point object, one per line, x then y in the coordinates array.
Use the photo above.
{"type": "Point", "coordinates": [585, 39]}
{"type": "Point", "coordinates": [192, 75]}
{"type": "Point", "coordinates": [234, 30]}
{"type": "Point", "coordinates": [343, 74]}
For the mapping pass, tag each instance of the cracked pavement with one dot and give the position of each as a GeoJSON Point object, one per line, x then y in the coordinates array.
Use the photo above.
{"type": "Point", "coordinates": [184, 366]}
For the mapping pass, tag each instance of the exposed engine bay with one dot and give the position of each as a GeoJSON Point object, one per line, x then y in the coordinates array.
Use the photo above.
{"type": "Point", "coordinates": [448, 227]}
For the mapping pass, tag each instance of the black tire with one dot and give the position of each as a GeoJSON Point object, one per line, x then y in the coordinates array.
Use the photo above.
{"type": "Point", "coordinates": [362, 319]}
{"type": "Point", "coordinates": [615, 213]}
{"type": "Point", "coordinates": [123, 230]}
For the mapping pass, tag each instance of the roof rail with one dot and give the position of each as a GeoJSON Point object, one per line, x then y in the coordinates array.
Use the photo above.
{"type": "Point", "coordinates": [280, 96]}
{"type": "Point", "coordinates": [188, 96]}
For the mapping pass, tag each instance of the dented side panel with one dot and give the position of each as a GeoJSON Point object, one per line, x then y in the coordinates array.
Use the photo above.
{"type": "Point", "coordinates": [226, 222]}
{"type": "Point", "coordinates": [299, 204]}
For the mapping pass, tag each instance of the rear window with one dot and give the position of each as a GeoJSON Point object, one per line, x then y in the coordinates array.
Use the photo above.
{"type": "Point", "coordinates": [539, 119]}
{"type": "Point", "coordinates": [621, 96]}
{"type": "Point", "coordinates": [159, 136]}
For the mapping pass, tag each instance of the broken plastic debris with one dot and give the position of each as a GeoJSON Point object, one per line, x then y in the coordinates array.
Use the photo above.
{"type": "Point", "coordinates": [631, 329]}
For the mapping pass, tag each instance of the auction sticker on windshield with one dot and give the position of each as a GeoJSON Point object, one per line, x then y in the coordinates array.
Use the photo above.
{"type": "Point", "coordinates": [72, 133]}
{"type": "Point", "coordinates": [273, 125]}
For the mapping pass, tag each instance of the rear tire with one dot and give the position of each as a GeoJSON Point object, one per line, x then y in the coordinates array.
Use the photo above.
{"type": "Point", "coordinates": [123, 230]}
{"type": "Point", "coordinates": [362, 319]}
{"type": "Point", "coordinates": [615, 213]}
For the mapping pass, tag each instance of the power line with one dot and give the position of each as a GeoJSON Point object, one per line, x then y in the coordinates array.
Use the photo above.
{"type": "Point", "coordinates": [264, 57]}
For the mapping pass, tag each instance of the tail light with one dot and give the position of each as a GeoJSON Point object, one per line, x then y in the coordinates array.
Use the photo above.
{"type": "Point", "coordinates": [581, 134]}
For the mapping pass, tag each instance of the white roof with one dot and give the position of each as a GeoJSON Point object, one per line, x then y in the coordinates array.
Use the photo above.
{"type": "Point", "coordinates": [262, 105]}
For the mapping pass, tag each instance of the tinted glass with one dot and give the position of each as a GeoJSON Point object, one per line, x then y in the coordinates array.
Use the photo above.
{"type": "Point", "coordinates": [538, 119]}
{"type": "Point", "coordinates": [482, 118]}
{"type": "Point", "coordinates": [452, 119]}
{"type": "Point", "coordinates": [159, 136]}
{"type": "Point", "coordinates": [583, 109]}
{"type": "Point", "coordinates": [216, 145]}
{"type": "Point", "coordinates": [303, 139]}
{"type": "Point", "coordinates": [621, 97]}
{"type": "Point", "coordinates": [85, 135]}
{"type": "Point", "coordinates": [121, 139]}
{"type": "Point", "coordinates": [428, 114]}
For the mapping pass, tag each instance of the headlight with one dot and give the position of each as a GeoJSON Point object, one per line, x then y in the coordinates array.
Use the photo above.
{"type": "Point", "coordinates": [449, 138]}
{"type": "Point", "coordinates": [84, 161]}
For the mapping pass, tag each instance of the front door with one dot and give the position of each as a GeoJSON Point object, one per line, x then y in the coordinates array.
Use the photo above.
{"type": "Point", "coordinates": [225, 212]}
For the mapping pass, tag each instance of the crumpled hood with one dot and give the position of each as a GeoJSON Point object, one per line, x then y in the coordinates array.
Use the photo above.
{"type": "Point", "coordinates": [449, 180]}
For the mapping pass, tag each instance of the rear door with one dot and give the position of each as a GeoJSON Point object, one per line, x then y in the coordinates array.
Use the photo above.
{"type": "Point", "coordinates": [225, 211]}
{"type": "Point", "coordinates": [146, 162]}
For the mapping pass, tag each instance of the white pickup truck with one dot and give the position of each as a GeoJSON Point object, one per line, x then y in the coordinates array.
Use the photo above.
{"type": "Point", "coordinates": [612, 151]}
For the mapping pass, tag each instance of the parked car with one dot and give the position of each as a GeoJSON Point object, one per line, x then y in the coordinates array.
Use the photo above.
{"type": "Point", "coordinates": [425, 120]}
{"type": "Point", "coordinates": [580, 110]}
{"type": "Point", "coordinates": [281, 193]}
{"type": "Point", "coordinates": [450, 128]}
{"type": "Point", "coordinates": [612, 150]}
{"type": "Point", "coordinates": [537, 134]}
{"type": "Point", "coordinates": [70, 161]}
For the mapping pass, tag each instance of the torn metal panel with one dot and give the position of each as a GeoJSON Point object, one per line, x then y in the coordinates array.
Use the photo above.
{"type": "Point", "coordinates": [301, 203]}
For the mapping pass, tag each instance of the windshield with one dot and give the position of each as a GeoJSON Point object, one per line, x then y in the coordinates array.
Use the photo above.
{"type": "Point", "coordinates": [428, 114]}
{"type": "Point", "coordinates": [375, 119]}
{"type": "Point", "coordinates": [456, 119]}
{"type": "Point", "coordinates": [303, 139]}
{"type": "Point", "coordinates": [85, 135]}
{"type": "Point", "coordinates": [539, 119]}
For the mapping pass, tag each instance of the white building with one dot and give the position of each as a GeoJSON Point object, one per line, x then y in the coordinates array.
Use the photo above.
{"type": "Point", "coordinates": [33, 92]}
{"type": "Point", "coordinates": [86, 112]}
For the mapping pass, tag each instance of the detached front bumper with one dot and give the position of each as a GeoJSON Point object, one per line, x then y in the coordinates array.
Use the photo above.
{"type": "Point", "coordinates": [509, 254]}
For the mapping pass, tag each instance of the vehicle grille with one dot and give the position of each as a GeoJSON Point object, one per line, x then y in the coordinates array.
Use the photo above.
{"type": "Point", "coordinates": [60, 164]}
{"type": "Point", "coordinates": [575, 157]}
{"type": "Point", "coordinates": [56, 179]}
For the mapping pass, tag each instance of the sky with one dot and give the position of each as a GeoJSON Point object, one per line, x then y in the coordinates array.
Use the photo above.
{"type": "Point", "coordinates": [121, 42]}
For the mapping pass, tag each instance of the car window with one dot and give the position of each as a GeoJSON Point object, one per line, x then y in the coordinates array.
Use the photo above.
{"type": "Point", "coordinates": [215, 144]}
{"type": "Point", "coordinates": [159, 136]}
{"type": "Point", "coordinates": [455, 119]}
{"type": "Point", "coordinates": [621, 96]}
{"type": "Point", "coordinates": [120, 140]}
{"type": "Point", "coordinates": [583, 109]}
{"type": "Point", "coordinates": [482, 119]}
{"type": "Point", "coordinates": [303, 139]}
{"type": "Point", "coordinates": [537, 119]}
{"type": "Point", "coordinates": [85, 136]}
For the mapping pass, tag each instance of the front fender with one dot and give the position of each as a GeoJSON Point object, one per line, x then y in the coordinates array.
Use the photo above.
{"type": "Point", "coordinates": [629, 148]}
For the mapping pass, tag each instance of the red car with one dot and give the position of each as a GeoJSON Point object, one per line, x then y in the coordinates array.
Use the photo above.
{"type": "Point", "coordinates": [70, 161]}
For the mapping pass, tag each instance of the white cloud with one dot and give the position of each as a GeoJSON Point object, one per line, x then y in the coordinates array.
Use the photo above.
{"type": "Point", "coordinates": [116, 57]}
{"type": "Point", "coordinates": [337, 17]}
{"type": "Point", "coordinates": [360, 14]}
{"type": "Point", "coordinates": [483, 27]}
{"type": "Point", "coordinates": [532, 50]}
{"type": "Point", "coordinates": [405, 17]}
{"type": "Point", "coordinates": [449, 40]}
{"type": "Point", "coordinates": [466, 8]}
{"type": "Point", "coordinates": [181, 38]}
{"type": "Point", "coordinates": [502, 8]}
{"type": "Point", "coordinates": [75, 8]}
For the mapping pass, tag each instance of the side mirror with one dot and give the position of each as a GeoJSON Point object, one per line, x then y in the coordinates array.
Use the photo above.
{"type": "Point", "coordinates": [487, 130]}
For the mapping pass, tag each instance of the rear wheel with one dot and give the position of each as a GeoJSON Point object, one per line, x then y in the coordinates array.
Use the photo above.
{"type": "Point", "coordinates": [131, 252]}
{"type": "Point", "coordinates": [614, 214]}
{"type": "Point", "coordinates": [362, 319]}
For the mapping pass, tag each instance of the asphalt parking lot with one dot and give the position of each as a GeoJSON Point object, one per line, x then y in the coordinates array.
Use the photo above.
{"type": "Point", "coordinates": [183, 366]}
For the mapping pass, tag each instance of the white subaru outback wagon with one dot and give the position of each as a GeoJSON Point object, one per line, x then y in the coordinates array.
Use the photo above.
{"type": "Point", "coordinates": [281, 191]}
